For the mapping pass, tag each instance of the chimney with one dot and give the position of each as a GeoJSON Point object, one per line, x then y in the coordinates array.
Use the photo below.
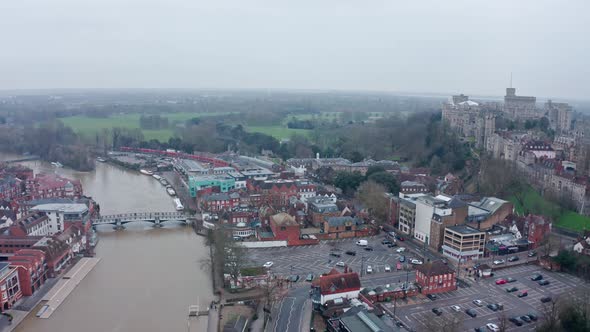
{"type": "Point", "coordinates": [317, 156]}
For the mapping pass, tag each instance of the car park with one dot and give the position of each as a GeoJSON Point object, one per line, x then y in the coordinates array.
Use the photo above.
{"type": "Point", "coordinates": [341, 264]}
{"type": "Point", "coordinates": [516, 321]}
{"type": "Point", "coordinates": [513, 259]}
{"type": "Point", "coordinates": [492, 327]}
{"type": "Point", "coordinates": [478, 303]}
{"type": "Point", "coordinates": [350, 252]}
{"type": "Point", "coordinates": [525, 318]}
{"type": "Point", "coordinates": [523, 294]}
{"type": "Point", "coordinates": [456, 308]}
{"type": "Point", "coordinates": [268, 264]}
{"type": "Point", "coordinates": [536, 277]}
{"type": "Point", "coordinates": [471, 313]}
{"type": "Point", "coordinates": [545, 299]}
{"type": "Point", "coordinates": [544, 282]}
{"type": "Point", "coordinates": [437, 311]}
{"type": "Point", "coordinates": [501, 281]}
{"type": "Point", "coordinates": [511, 289]}
{"type": "Point", "coordinates": [432, 297]}
{"type": "Point", "coordinates": [387, 268]}
{"type": "Point", "coordinates": [499, 261]}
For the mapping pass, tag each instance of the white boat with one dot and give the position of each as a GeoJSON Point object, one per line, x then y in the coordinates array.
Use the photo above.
{"type": "Point", "coordinates": [146, 172]}
{"type": "Point", "coordinates": [101, 159]}
{"type": "Point", "coordinates": [157, 177]}
{"type": "Point", "coordinates": [57, 164]}
{"type": "Point", "coordinates": [171, 191]}
{"type": "Point", "coordinates": [178, 204]}
{"type": "Point", "coordinates": [42, 310]}
{"type": "Point", "coordinates": [163, 182]}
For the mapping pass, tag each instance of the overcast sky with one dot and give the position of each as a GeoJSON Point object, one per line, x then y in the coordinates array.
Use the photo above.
{"type": "Point", "coordinates": [411, 46]}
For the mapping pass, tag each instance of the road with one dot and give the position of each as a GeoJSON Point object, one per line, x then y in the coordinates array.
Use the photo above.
{"type": "Point", "coordinates": [288, 315]}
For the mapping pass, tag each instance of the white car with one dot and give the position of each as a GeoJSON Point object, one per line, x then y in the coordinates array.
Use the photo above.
{"type": "Point", "coordinates": [416, 262]}
{"type": "Point", "coordinates": [499, 261]}
{"type": "Point", "coordinates": [268, 264]}
{"type": "Point", "coordinates": [492, 327]}
{"type": "Point", "coordinates": [369, 269]}
{"type": "Point", "coordinates": [478, 303]}
{"type": "Point", "coordinates": [402, 249]}
{"type": "Point", "coordinates": [387, 268]}
{"type": "Point", "coordinates": [456, 308]}
{"type": "Point", "coordinates": [341, 264]}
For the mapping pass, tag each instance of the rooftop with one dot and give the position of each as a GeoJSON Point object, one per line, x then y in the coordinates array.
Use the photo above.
{"type": "Point", "coordinates": [340, 282]}
{"type": "Point", "coordinates": [434, 268]}
{"type": "Point", "coordinates": [63, 207]}
{"type": "Point", "coordinates": [463, 229]}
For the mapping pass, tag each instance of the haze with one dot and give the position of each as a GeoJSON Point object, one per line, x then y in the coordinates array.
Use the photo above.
{"type": "Point", "coordinates": [404, 46]}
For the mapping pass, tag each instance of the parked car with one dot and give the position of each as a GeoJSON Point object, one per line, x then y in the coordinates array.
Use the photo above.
{"type": "Point", "coordinates": [341, 264]}
{"type": "Point", "coordinates": [402, 259]}
{"type": "Point", "coordinates": [391, 245]}
{"type": "Point", "coordinates": [369, 269]}
{"type": "Point", "coordinates": [516, 321]}
{"type": "Point", "coordinates": [456, 308]}
{"type": "Point", "coordinates": [294, 278]}
{"type": "Point", "coordinates": [400, 238]}
{"type": "Point", "coordinates": [501, 281]}
{"type": "Point", "coordinates": [533, 316]}
{"type": "Point", "coordinates": [479, 329]}
{"type": "Point", "coordinates": [499, 261]}
{"type": "Point", "coordinates": [532, 253]}
{"type": "Point", "coordinates": [385, 241]}
{"type": "Point", "coordinates": [362, 243]}
{"type": "Point", "coordinates": [387, 268]}
{"type": "Point", "coordinates": [536, 277]}
{"type": "Point", "coordinates": [369, 248]}
{"type": "Point", "coordinates": [268, 264]}
{"type": "Point", "coordinates": [471, 313]}
{"type": "Point", "coordinates": [437, 311]}
{"type": "Point", "coordinates": [525, 318]}
{"type": "Point", "coordinates": [492, 327]}
{"type": "Point", "coordinates": [309, 277]}
{"type": "Point", "coordinates": [509, 279]}
{"type": "Point", "coordinates": [432, 297]}
{"type": "Point", "coordinates": [511, 289]}
{"type": "Point", "coordinates": [335, 254]}
{"type": "Point", "coordinates": [416, 262]}
{"type": "Point", "coordinates": [401, 249]}
{"type": "Point", "coordinates": [544, 282]}
{"type": "Point", "coordinates": [523, 294]}
{"type": "Point", "coordinates": [493, 307]}
{"type": "Point", "coordinates": [513, 259]}
{"type": "Point", "coordinates": [545, 299]}
{"type": "Point", "coordinates": [350, 252]}
{"type": "Point", "coordinates": [478, 303]}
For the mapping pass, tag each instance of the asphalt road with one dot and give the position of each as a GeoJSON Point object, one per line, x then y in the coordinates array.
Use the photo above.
{"type": "Point", "coordinates": [288, 314]}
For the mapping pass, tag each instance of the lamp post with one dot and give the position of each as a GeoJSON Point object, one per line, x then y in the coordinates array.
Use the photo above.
{"type": "Point", "coordinates": [362, 266]}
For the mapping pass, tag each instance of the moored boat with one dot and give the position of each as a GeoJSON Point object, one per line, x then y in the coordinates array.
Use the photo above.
{"type": "Point", "coordinates": [163, 182]}
{"type": "Point", "coordinates": [157, 177]}
{"type": "Point", "coordinates": [146, 172]}
{"type": "Point", "coordinates": [101, 159]}
{"type": "Point", "coordinates": [178, 204]}
{"type": "Point", "coordinates": [57, 164]}
{"type": "Point", "coordinates": [171, 191]}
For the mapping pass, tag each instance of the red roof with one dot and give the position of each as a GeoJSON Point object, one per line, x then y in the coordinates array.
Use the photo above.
{"type": "Point", "coordinates": [339, 283]}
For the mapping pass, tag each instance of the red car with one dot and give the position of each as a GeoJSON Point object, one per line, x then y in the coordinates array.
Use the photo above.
{"type": "Point", "coordinates": [501, 281]}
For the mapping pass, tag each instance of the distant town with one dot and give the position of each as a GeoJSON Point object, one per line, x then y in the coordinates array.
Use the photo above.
{"type": "Point", "coordinates": [470, 216]}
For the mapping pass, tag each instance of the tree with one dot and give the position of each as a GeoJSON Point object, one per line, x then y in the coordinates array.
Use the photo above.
{"type": "Point", "coordinates": [372, 196]}
{"type": "Point", "coordinates": [374, 169]}
{"type": "Point", "coordinates": [348, 182]}
{"type": "Point", "coordinates": [387, 180]}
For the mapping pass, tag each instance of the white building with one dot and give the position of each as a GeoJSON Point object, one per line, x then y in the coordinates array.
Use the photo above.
{"type": "Point", "coordinates": [425, 207]}
{"type": "Point", "coordinates": [58, 213]}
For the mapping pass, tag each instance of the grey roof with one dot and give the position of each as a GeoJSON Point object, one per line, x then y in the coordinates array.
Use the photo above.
{"type": "Point", "coordinates": [62, 207]}
{"type": "Point", "coordinates": [341, 221]}
{"type": "Point", "coordinates": [456, 203]}
{"type": "Point", "coordinates": [360, 320]}
{"type": "Point", "coordinates": [464, 229]}
{"type": "Point", "coordinates": [490, 203]}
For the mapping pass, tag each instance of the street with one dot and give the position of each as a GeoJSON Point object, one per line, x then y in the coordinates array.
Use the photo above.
{"type": "Point", "coordinates": [288, 315]}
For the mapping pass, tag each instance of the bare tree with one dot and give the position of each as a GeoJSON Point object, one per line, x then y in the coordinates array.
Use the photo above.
{"type": "Point", "coordinates": [372, 196]}
{"type": "Point", "coordinates": [451, 322]}
{"type": "Point", "coordinates": [274, 290]}
{"type": "Point", "coordinates": [502, 321]}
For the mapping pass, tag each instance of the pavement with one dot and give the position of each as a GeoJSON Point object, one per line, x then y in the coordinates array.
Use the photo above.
{"type": "Point", "coordinates": [316, 259]}
{"type": "Point", "coordinates": [415, 314]}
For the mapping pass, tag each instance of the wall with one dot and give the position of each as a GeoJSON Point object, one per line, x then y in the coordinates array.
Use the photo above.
{"type": "Point", "coordinates": [263, 244]}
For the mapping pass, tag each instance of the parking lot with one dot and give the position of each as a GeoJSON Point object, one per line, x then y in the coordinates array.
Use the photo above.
{"type": "Point", "coordinates": [317, 259]}
{"type": "Point", "coordinates": [488, 292]}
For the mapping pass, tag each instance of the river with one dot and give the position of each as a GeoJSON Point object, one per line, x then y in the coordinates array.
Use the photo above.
{"type": "Point", "coordinates": [147, 277]}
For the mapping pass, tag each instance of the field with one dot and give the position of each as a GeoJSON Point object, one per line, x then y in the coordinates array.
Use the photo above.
{"type": "Point", "coordinates": [88, 127]}
{"type": "Point", "coordinates": [536, 204]}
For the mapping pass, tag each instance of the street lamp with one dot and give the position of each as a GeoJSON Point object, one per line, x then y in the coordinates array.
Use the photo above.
{"type": "Point", "coordinates": [362, 266]}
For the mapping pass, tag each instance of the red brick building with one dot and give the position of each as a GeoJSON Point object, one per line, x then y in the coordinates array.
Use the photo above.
{"type": "Point", "coordinates": [537, 228]}
{"type": "Point", "coordinates": [30, 264]}
{"type": "Point", "coordinates": [217, 202]}
{"type": "Point", "coordinates": [337, 285]}
{"type": "Point", "coordinates": [285, 227]}
{"type": "Point", "coordinates": [10, 290]}
{"type": "Point", "coordinates": [53, 186]}
{"type": "Point", "coordinates": [10, 244]}
{"type": "Point", "coordinates": [435, 277]}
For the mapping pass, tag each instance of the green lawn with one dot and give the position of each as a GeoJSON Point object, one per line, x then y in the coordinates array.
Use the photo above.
{"type": "Point", "coordinates": [538, 205]}
{"type": "Point", "coordinates": [88, 127]}
{"type": "Point", "coordinates": [278, 132]}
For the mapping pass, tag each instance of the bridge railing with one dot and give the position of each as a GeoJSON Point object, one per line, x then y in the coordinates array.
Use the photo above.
{"type": "Point", "coordinates": [141, 216]}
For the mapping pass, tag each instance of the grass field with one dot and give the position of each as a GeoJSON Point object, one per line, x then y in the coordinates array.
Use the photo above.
{"type": "Point", "coordinates": [536, 204]}
{"type": "Point", "coordinates": [88, 127]}
{"type": "Point", "coordinates": [278, 132]}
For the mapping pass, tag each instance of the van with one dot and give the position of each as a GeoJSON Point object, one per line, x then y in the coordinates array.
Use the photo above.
{"type": "Point", "coordinates": [362, 243]}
